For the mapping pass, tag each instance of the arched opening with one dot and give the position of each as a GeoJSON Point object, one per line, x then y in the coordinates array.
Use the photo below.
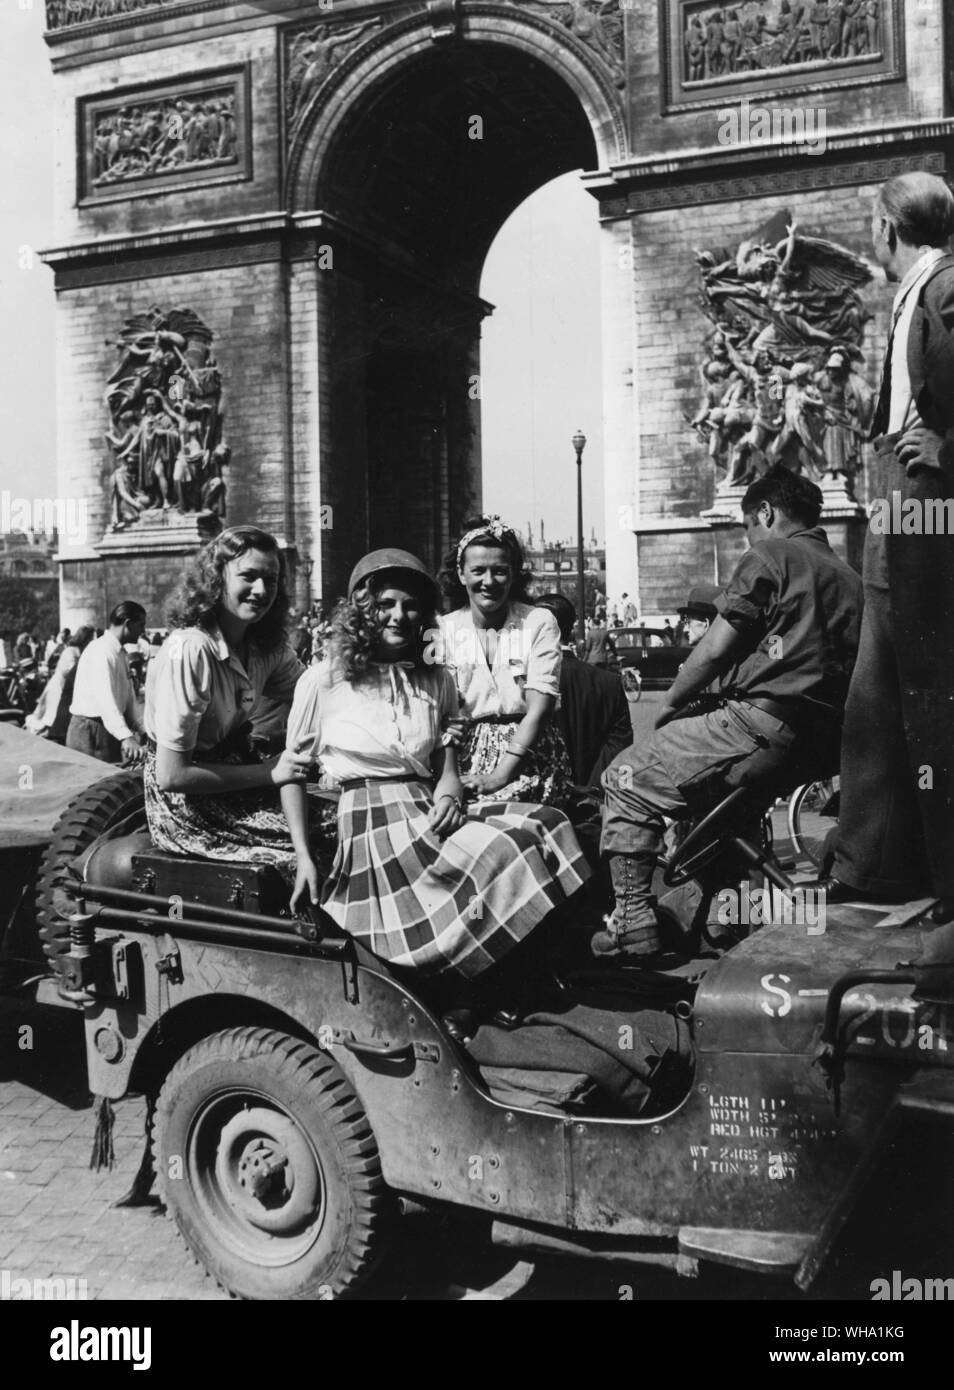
{"type": "Point", "coordinates": [541, 369]}
{"type": "Point", "coordinates": [413, 178]}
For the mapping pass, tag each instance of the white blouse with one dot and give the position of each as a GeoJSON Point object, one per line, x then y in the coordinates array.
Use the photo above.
{"type": "Point", "coordinates": [198, 691]}
{"type": "Point", "coordinates": [385, 725]}
{"type": "Point", "coordinates": [525, 653]}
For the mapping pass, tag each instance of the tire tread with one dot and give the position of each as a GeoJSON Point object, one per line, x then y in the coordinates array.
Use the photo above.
{"type": "Point", "coordinates": [307, 1067]}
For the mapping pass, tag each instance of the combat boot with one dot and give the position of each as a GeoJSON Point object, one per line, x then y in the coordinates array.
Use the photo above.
{"type": "Point", "coordinates": [632, 928]}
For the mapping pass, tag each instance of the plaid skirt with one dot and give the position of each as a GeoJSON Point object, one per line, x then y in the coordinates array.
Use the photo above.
{"type": "Point", "coordinates": [248, 826]}
{"type": "Point", "coordinates": [458, 904]}
{"type": "Point", "coordinates": [545, 774]}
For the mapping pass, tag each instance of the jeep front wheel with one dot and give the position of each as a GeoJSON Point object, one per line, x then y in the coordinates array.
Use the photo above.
{"type": "Point", "coordinates": [268, 1165]}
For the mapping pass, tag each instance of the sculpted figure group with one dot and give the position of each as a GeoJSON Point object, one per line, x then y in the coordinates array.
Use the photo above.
{"type": "Point", "coordinates": [725, 39]}
{"type": "Point", "coordinates": [59, 13]}
{"type": "Point", "coordinates": [163, 136]}
{"type": "Point", "coordinates": [165, 403]}
{"type": "Point", "coordinates": [781, 380]}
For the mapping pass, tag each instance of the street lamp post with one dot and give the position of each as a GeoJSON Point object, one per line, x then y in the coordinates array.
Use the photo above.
{"type": "Point", "coordinates": [579, 444]}
{"type": "Point", "coordinates": [307, 564]}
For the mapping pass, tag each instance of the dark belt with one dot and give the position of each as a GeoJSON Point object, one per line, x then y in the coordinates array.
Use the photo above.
{"type": "Point", "coordinates": [791, 712]}
{"type": "Point", "coordinates": [351, 784]}
{"type": "Point", "coordinates": [499, 719]}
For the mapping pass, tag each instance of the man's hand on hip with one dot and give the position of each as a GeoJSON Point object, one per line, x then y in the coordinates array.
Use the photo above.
{"type": "Point", "coordinates": [920, 448]}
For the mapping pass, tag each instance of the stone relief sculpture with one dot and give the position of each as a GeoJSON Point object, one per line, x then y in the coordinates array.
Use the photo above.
{"type": "Point", "coordinates": [720, 40]}
{"type": "Point", "coordinates": [166, 411]}
{"type": "Point", "coordinates": [311, 57]}
{"type": "Point", "coordinates": [168, 135]}
{"type": "Point", "coordinates": [596, 23]}
{"type": "Point", "coordinates": [780, 380]}
{"type": "Point", "coordinates": [60, 13]}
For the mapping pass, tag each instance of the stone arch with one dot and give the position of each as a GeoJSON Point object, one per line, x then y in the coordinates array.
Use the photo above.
{"type": "Point", "coordinates": [383, 55]}
{"type": "Point", "coordinates": [382, 169]}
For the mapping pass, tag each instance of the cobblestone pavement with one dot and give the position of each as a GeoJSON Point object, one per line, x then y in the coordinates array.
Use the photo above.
{"type": "Point", "coordinates": [56, 1216]}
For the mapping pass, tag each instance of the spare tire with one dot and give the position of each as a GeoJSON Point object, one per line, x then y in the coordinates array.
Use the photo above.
{"type": "Point", "coordinates": [101, 807]}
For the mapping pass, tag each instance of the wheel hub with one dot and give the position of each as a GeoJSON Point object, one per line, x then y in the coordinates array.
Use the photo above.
{"type": "Point", "coordinates": [267, 1171]}
{"type": "Point", "coordinates": [261, 1171]}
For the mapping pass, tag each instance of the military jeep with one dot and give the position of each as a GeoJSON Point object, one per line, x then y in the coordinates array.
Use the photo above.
{"type": "Point", "coordinates": [301, 1092]}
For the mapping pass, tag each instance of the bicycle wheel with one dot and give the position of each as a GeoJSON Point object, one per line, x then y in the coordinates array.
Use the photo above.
{"type": "Point", "coordinates": [812, 815]}
{"type": "Point", "coordinates": [632, 684]}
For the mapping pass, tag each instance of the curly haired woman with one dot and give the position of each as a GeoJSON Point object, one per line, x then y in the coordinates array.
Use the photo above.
{"type": "Point", "coordinates": [207, 792]}
{"type": "Point", "coordinates": [505, 657]}
{"type": "Point", "coordinates": [418, 879]}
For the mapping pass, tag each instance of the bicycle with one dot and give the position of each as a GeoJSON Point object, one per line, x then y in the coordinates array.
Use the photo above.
{"type": "Point", "coordinates": [632, 683]}
{"type": "Point", "coordinates": [812, 815]}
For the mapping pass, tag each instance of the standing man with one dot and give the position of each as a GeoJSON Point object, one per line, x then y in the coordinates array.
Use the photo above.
{"type": "Point", "coordinates": [104, 720]}
{"type": "Point", "coordinates": [780, 653]}
{"type": "Point", "coordinates": [597, 647]}
{"type": "Point", "coordinates": [699, 613]}
{"type": "Point", "coordinates": [594, 711]}
{"type": "Point", "coordinates": [895, 837]}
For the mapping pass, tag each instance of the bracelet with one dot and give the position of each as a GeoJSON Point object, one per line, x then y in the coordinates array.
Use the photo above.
{"type": "Point", "coordinates": [517, 750]}
{"type": "Point", "coordinates": [446, 796]}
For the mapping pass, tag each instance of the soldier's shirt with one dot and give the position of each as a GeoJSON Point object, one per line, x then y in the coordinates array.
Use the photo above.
{"type": "Point", "coordinates": [800, 607]}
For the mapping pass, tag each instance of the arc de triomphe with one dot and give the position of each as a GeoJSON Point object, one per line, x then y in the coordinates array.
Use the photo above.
{"type": "Point", "coordinates": [272, 219]}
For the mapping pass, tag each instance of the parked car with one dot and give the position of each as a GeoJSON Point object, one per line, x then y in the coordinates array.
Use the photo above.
{"type": "Point", "coordinates": [651, 653]}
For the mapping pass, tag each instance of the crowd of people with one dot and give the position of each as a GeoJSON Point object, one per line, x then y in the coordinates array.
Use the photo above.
{"type": "Point", "coordinates": [453, 720]}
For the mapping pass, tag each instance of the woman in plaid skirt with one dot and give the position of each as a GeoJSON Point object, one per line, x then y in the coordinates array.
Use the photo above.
{"type": "Point", "coordinates": [418, 878]}
{"type": "Point", "coordinates": [505, 657]}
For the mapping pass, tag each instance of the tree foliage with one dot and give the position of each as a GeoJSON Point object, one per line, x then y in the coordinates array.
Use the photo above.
{"type": "Point", "coordinates": [22, 610]}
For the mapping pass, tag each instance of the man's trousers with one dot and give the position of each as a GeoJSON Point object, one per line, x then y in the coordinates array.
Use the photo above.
{"type": "Point", "coordinates": [896, 828]}
{"type": "Point", "coordinates": [687, 766]}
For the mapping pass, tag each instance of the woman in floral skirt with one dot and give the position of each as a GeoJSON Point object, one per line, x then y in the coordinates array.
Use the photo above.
{"type": "Point", "coordinates": [208, 793]}
{"type": "Point", "coordinates": [505, 657]}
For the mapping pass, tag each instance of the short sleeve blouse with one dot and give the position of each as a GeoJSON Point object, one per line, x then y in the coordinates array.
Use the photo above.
{"type": "Point", "coordinates": [527, 656]}
{"type": "Point", "coordinates": [385, 725]}
{"type": "Point", "coordinates": [198, 692]}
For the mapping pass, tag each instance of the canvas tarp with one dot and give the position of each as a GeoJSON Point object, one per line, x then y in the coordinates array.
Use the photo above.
{"type": "Point", "coordinates": [38, 780]}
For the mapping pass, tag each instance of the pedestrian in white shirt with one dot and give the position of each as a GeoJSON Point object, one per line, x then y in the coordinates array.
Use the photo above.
{"type": "Point", "coordinates": [104, 718]}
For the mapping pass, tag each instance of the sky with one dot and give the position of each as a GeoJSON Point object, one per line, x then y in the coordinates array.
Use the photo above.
{"type": "Point", "coordinates": [540, 350]}
{"type": "Point", "coordinates": [27, 343]}
{"type": "Point", "coordinates": [540, 361]}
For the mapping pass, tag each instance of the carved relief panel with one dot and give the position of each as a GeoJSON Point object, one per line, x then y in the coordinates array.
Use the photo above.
{"type": "Point", "coordinates": [148, 138]}
{"type": "Point", "coordinates": [717, 51]}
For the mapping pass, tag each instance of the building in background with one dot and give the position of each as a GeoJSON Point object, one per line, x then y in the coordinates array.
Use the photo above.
{"type": "Point", "coordinates": [29, 583]}
{"type": "Point", "coordinates": [28, 557]}
{"type": "Point", "coordinates": [555, 571]}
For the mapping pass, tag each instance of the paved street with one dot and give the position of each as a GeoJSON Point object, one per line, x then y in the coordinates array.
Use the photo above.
{"type": "Point", "coordinates": [56, 1217]}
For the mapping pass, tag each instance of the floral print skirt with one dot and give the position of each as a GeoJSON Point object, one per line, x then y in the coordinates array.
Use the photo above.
{"type": "Point", "coordinates": [244, 826]}
{"type": "Point", "coordinates": [545, 775]}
